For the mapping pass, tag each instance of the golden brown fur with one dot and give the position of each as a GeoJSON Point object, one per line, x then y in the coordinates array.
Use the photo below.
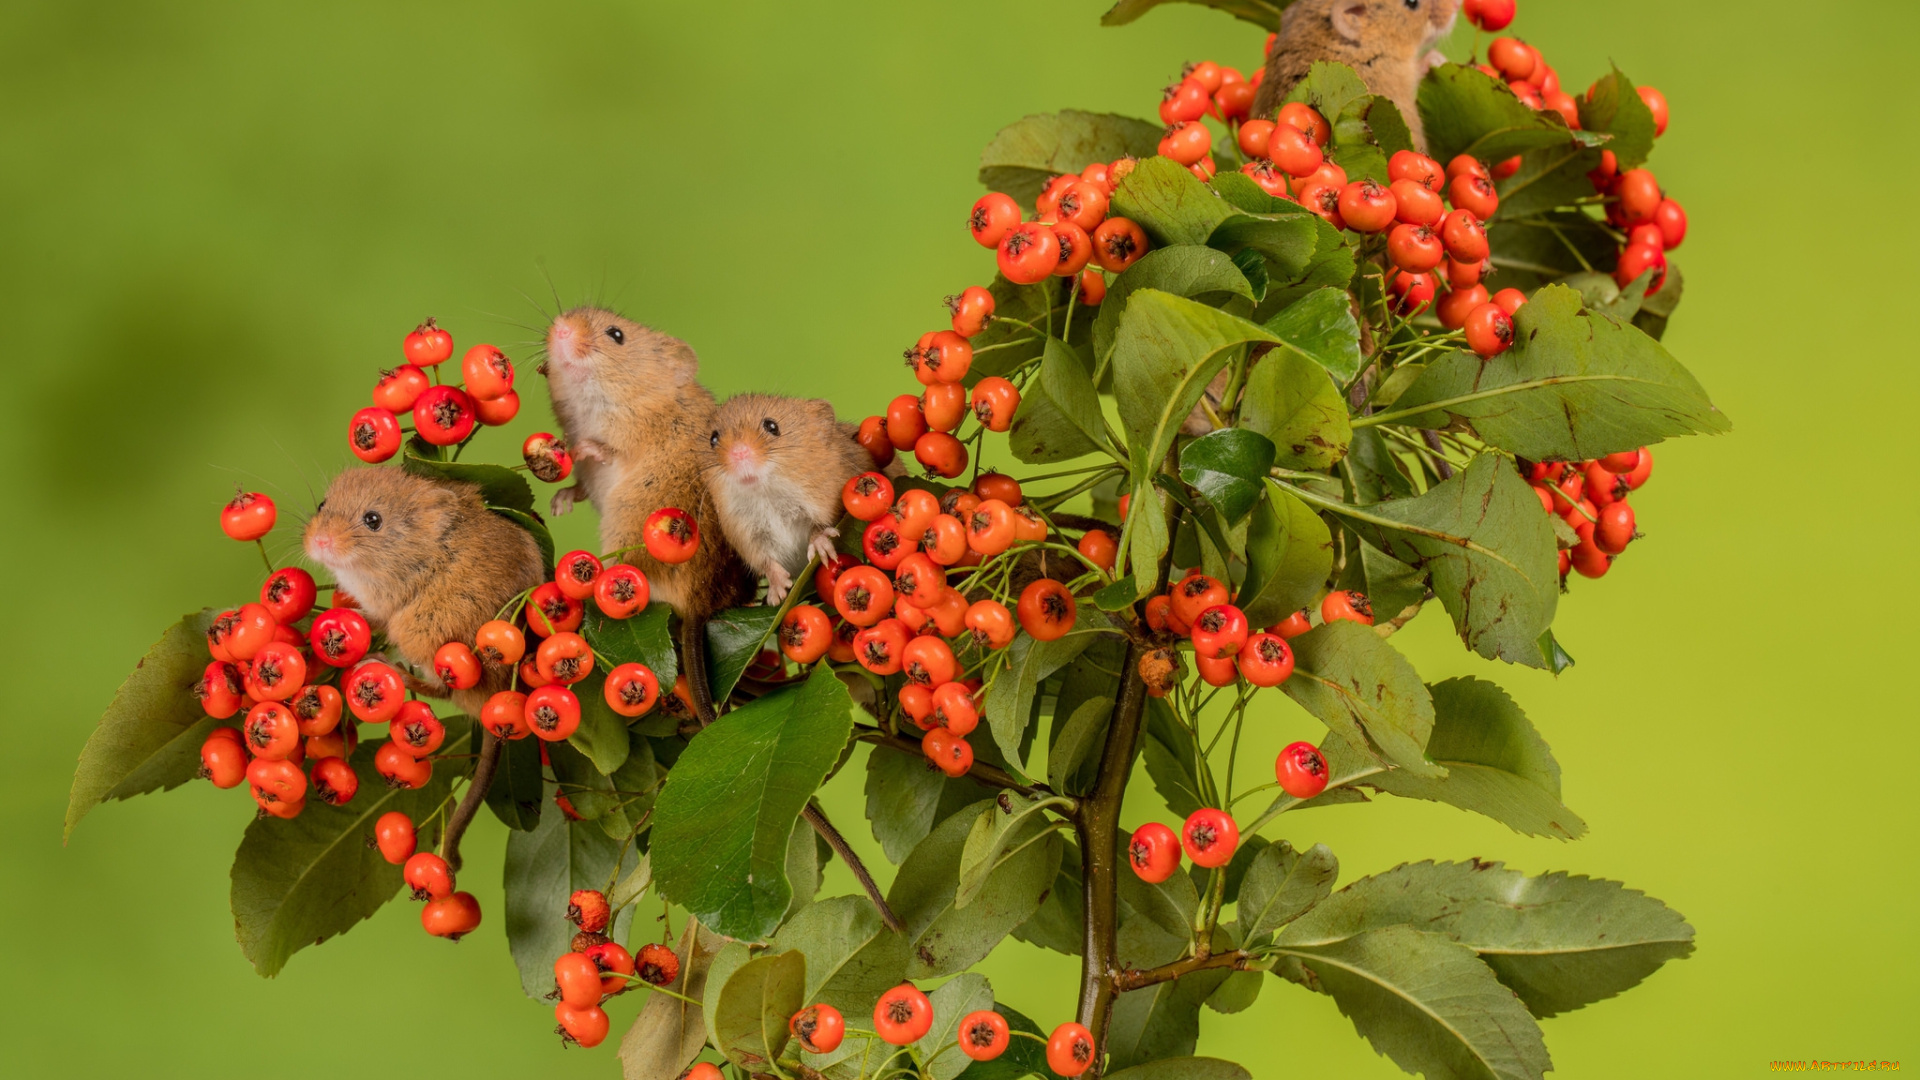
{"type": "Point", "coordinates": [1385, 42]}
{"type": "Point", "coordinates": [438, 564]}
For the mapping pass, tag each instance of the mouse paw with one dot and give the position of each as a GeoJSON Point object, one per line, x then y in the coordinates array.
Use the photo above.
{"type": "Point", "coordinates": [779, 583]}
{"type": "Point", "coordinates": [563, 500]}
{"type": "Point", "coordinates": [821, 546]}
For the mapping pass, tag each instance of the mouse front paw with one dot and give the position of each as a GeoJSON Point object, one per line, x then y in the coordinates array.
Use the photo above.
{"type": "Point", "coordinates": [779, 583]}
{"type": "Point", "coordinates": [821, 546]}
{"type": "Point", "coordinates": [563, 500]}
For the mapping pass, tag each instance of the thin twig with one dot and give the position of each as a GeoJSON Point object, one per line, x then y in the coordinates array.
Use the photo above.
{"type": "Point", "coordinates": [463, 814]}
{"type": "Point", "coordinates": [816, 818]}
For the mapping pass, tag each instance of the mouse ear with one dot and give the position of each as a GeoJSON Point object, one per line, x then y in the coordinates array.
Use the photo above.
{"type": "Point", "coordinates": [1349, 19]}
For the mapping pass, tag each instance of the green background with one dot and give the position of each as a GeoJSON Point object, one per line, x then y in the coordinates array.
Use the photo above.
{"type": "Point", "coordinates": [220, 219]}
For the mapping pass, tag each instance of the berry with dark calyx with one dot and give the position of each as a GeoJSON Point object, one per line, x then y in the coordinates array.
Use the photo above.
{"type": "Point", "coordinates": [577, 979]}
{"type": "Point", "coordinates": [1293, 625]}
{"type": "Point", "coordinates": [879, 648]}
{"type": "Point", "coordinates": [621, 590]}
{"type": "Point", "coordinates": [1220, 632]}
{"type": "Point", "coordinates": [401, 769]}
{"type": "Point", "coordinates": [455, 665]}
{"type": "Point", "coordinates": [1474, 194]}
{"type": "Point", "coordinates": [657, 965]}
{"type": "Point", "coordinates": [496, 412]}
{"type": "Point", "coordinates": [444, 415]}
{"type": "Point", "coordinates": [949, 753]}
{"type": "Point", "coordinates": [553, 712]}
{"type": "Point", "coordinates": [504, 716]}
{"type": "Point", "coordinates": [1615, 529]}
{"type": "Point", "coordinates": [583, 1027]}
{"type": "Point", "coordinates": [995, 401]}
{"type": "Point", "coordinates": [428, 875]}
{"type": "Point", "coordinates": [873, 436]}
{"type": "Point", "coordinates": [1489, 331]}
{"type": "Point", "coordinates": [1210, 837]}
{"type": "Point", "coordinates": [588, 909]}
{"type": "Point", "coordinates": [1415, 249]}
{"type": "Point", "coordinates": [550, 611]}
{"type": "Point", "coordinates": [614, 962]}
{"type": "Point", "coordinates": [271, 731]}
{"type": "Point", "coordinates": [671, 535]}
{"type": "Point", "coordinates": [990, 624]}
{"type": "Point", "coordinates": [277, 672]}
{"type": "Point", "coordinates": [1159, 669]}
{"type": "Point", "coordinates": [993, 216]}
{"type": "Point", "coordinates": [486, 373]}
{"type": "Point", "coordinates": [374, 692]}
{"type": "Point", "coordinates": [546, 457]}
{"type": "Point", "coordinates": [223, 759]}
{"type": "Point", "coordinates": [249, 515]}
{"type": "Point", "coordinates": [576, 573]}
{"type": "Point", "coordinates": [1046, 610]}
{"type": "Point", "coordinates": [983, 1035]}
{"type": "Point", "coordinates": [1368, 207]}
{"type": "Point", "coordinates": [273, 781]}
{"type": "Point", "coordinates": [819, 1029]}
{"type": "Point", "coordinates": [427, 344]}
{"type": "Point", "coordinates": [288, 594]}
{"type": "Point", "coordinates": [451, 917]}
{"type": "Point", "coordinates": [903, 1015]}
{"type": "Point", "coordinates": [631, 689]}
{"type": "Point", "coordinates": [1308, 119]}
{"type": "Point", "coordinates": [340, 637]}
{"type": "Point", "coordinates": [1028, 254]}
{"type": "Point", "coordinates": [416, 729]}
{"type": "Point", "coordinates": [1266, 660]}
{"type": "Point", "coordinates": [1192, 596]}
{"type": "Point", "coordinates": [564, 658]}
{"type": "Point", "coordinates": [334, 781]}
{"type": "Point", "coordinates": [1348, 605]}
{"type": "Point", "coordinates": [1153, 852]}
{"type": "Point", "coordinates": [399, 388]}
{"type": "Point", "coordinates": [972, 309]}
{"type": "Point", "coordinates": [1301, 770]}
{"type": "Point", "coordinates": [393, 834]}
{"type": "Point", "coordinates": [1070, 1050]}
{"type": "Point", "coordinates": [1464, 237]}
{"type": "Point", "coordinates": [249, 630]}
{"type": "Point", "coordinates": [940, 454]}
{"type": "Point", "coordinates": [1118, 243]}
{"type": "Point", "coordinates": [221, 690]}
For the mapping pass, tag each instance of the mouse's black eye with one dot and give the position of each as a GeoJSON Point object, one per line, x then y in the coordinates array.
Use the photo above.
{"type": "Point", "coordinates": [770, 427]}
{"type": "Point", "coordinates": [714, 440]}
{"type": "Point", "coordinates": [1413, 5]}
{"type": "Point", "coordinates": [321, 506]}
{"type": "Point", "coordinates": [371, 519]}
{"type": "Point", "coordinates": [621, 339]}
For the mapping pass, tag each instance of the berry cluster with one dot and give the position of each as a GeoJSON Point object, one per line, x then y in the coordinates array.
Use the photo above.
{"type": "Point", "coordinates": [1591, 497]}
{"type": "Point", "coordinates": [443, 414]}
{"type": "Point", "coordinates": [597, 968]}
{"type": "Point", "coordinates": [904, 1015]}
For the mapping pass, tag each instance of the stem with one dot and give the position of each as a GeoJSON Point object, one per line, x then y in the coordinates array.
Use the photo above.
{"type": "Point", "coordinates": [838, 843]}
{"type": "Point", "coordinates": [483, 771]}
{"type": "Point", "coordinates": [1137, 980]}
{"type": "Point", "coordinates": [262, 545]}
{"type": "Point", "coordinates": [1432, 439]}
{"type": "Point", "coordinates": [1098, 827]}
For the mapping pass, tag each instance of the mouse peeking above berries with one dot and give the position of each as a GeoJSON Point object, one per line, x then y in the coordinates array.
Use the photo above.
{"type": "Point", "coordinates": [1388, 43]}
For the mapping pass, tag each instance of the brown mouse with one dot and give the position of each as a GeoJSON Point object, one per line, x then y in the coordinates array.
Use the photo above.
{"type": "Point", "coordinates": [776, 468]}
{"type": "Point", "coordinates": [427, 562]}
{"type": "Point", "coordinates": [1387, 43]}
{"type": "Point", "coordinates": [639, 423]}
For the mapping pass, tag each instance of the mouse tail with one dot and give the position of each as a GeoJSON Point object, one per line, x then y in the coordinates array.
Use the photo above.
{"type": "Point", "coordinates": [693, 660]}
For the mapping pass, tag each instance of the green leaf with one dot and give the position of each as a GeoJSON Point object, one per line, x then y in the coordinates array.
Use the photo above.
{"type": "Point", "coordinates": [1427, 1003]}
{"type": "Point", "coordinates": [1238, 993]}
{"type": "Point", "coordinates": [1262, 13]}
{"type": "Point", "coordinates": [906, 796]}
{"type": "Point", "coordinates": [722, 821]}
{"type": "Point", "coordinates": [1332, 267]}
{"type": "Point", "coordinates": [633, 886]}
{"type": "Point", "coordinates": [1291, 401]}
{"type": "Point", "coordinates": [587, 789]}
{"type": "Point", "coordinates": [1169, 202]}
{"type": "Point", "coordinates": [852, 958]}
{"type": "Point", "coordinates": [1022, 1057]}
{"type": "Point", "coordinates": [636, 785]}
{"type": "Point", "coordinates": [1655, 310]}
{"type": "Point", "coordinates": [1546, 248]}
{"type": "Point", "coordinates": [1281, 886]}
{"type": "Point", "coordinates": [1556, 658]}
{"type": "Point", "coordinates": [1613, 106]}
{"type": "Point", "coordinates": [1365, 692]}
{"type": "Point", "coordinates": [1331, 88]}
{"type": "Point", "coordinates": [947, 938]}
{"type": "Point", "coordinates": [990, 842]}
{"type": "Point", "coordinates": [1239, 189]}
{"type": "Point", "coordinates": [297, 883]}
{"type": "Point", "coordinates": [1253, 266]}
{"type": "Point", "coordinates": [1027, 153]}
{"type": "Point", "coordinates": [543, 868]}
{"type": "Point", "coordinates": [515, 795]}
{"type": "Point", "coordinates": [1469, 112]}
{"type": "Point", "coordinates": [645, 638]}
{"type": "Point", "coordinates": [1550, 177]}
{"type": "Point", "coordinates": [1575, 386]}
{"type": "Point", "coordinates": [1491, 556]}
{"type": "Point", "coordinates": [1391, 585]}
{"type": "Point", "coordinates": [1320, 326]}
{"type": "Point", "coordinates": [1191, 270]}
{"type": "Point", "coordinates": [953, 999]}
{"type": "Point", "coordinates": [1289, 554]}
{"type": "Point", "coordinates": [1372, 473]}
{"type": "Point", "coordinates": [531, 522]}
{"type": "Point", "coordinates": [1118, 596]}
{"type": "Point", "coordinates": [1060, 924]}
{"type": "Point", "coordinates": [1496, 763]}
{"type": "Point", "coordinates": [1185, 1068]}
{"type": "Point", "coordinates": [1160, 1021]}
{"type": "Point", "coordinates": [1077, 746]}
{"type": "Point", "coordinates": [1560, 941]}
{"type": "Point", "coordinates": [500, 488]}
{"type": "Point", "coordinates": [731, 958]}
{"type": "Point", "coordinates": [149, 738]}
{"type": "Point", "coordinates": [669, 1033]}
{"type": "Point", "coordinates": [602, 734]}
{"type": "Point", "coordinates": [1229, 467]}
{"type": "Point", "coordinates": [1169, 905]}
{"type": "Point", "coordinates": [1059, 417]}
{"type": "Point", "coordinates": [1009, 705]}
{"type": "Point", "coordinates": [734, 639]}
{"type": "Point", "coordinates": [1367, 128]}
{"type": "Point", "coordinates": [1012, 344]}
{"type": "Point", "coordinates": [1169, 753]}
{"type": "Point", "coordinates": [805, 849]}
{"type": "Point", "coordinates": [755, 1005]}
{"type": "Point", "coordinates": [1250, 848]}
{"type": "Point", "coordinates": [1288, 241]}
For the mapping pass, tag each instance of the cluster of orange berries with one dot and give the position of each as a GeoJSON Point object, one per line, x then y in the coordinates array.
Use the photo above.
{"type": "Point", "coordinates": [597, 968]}
{"type": "Point", "coordinates": [443, 414]}
{"type": "Point", "coordinates": [1591, 496]}
{"type": "Point", "coordinates": [904, 1015]}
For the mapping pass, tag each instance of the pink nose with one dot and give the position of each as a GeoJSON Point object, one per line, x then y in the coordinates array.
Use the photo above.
{"type": "Point", "coordinates": [322, 541]}
{"type": "Point", "coordinates": [741, 453]}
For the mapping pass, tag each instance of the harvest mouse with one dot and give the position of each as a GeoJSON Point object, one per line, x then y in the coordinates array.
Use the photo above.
{"type": "Point", "coordinates": [1387, 43]}
{"type": "Point", "coordinates": [776, 468]}
{"type": "Point", "coordinates": [639, 422]}
{"type": "Point", "coordinates": [427, 562]}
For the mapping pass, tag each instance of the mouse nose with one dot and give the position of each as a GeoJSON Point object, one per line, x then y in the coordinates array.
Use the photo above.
{"type": "Point", "coordinates": [742, 458]}
{"type": "Point", "coordinates": [561, 337]}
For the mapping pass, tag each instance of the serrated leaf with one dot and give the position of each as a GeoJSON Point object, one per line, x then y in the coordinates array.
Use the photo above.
{"type": "Point", "coordinates": [1170, 203]}
{"type": "Point", "coordinates": [1555, 658]}
{"type": "Point", "coordinates": [1466, 111]}
{"type": "Point", "coordinates": [1560, 941]}
{"type": "Point", "coordinates": [633, 886]}
{"type": "Point", "coordinates": [1027, 153]}
{"type": "Point", "coordinates": [1289, 554]}
{"type": "Point", "coordinates": [1365, 692]}
{"type": "Point", "coordinates": [149, 738]}
{"type": "Point", "coordinates": [1060, 924]}
{"type": "Point", "coordinates": [1238, 993]}
{"type": "Point", "coordinates": [636, 786]}
{"type": "Point", "coordinates": [299, 882]}
{"type": "Point", "coordinates": [1575, 386]}
{"type": "Point", "coordinates": [515, 796]}
{"type": "Point", "coordinates": [1426, 1002]}
{"type": "Point", "coordinates": [1544, 248]}
{"type": "Point", "coordinates": [1490, 556]}
{"type": "Point", "coordinates": [755, 1004]}
{"type": "Point", "coordinates": [1391, 585]}
{"type": "Point", "coordinates": [851, 956]}
{"type": "Point", "coordinates": [644, 638]}
{"type": "Point", "coordinates": [1170, 905]}
{"type": "Point", "coordinates": [588, 790]}
{"type": "Point", "coordinates": [945, 937]}
{"type": "Point", "coordinates": [906, 796]}
{"type": "Point", "coordinates": [1550, 177]}
{"type": "Point", "coordinates": [1320, 326]}
{"type": "Point", "coordinates": [1059, 418]}
{"type": "Point", "coordinates": [1282, 885]}
{"type": "Point", "coordinates": [1366, 135]}
{"type": "Point", "coordinates": [543, 868]}
{"type": "Point", "coordinates": [500, 487]}
{"type": "Point", "coordinates": [1250, 848]}
{"type": "Point", "coordinates": [669, 1033]}
{"type": "Point", "coordinates": [1118, 596]}
{"type": "Point", "coordinates": [1613, 106]}
{"type": "Point", "coordinates": [1239, 190]}
{"type": "Point", "coordinates": [1287, 241]}
{"type": "Point", "coordinates": [1160, 1021]}
{"type": "Point", "coordinates": [1011, 343]}
{"type": "Point", "coordinates": [1009, 705]}
{"type": "Point", "coordinates": [1371, 471]}
{"type": "Point", "coordinates": [991, 843]}
{"type": "Point", "coordinates": [1230, 468]}
{"type": "Point", "coordinates": [722, 821]}
{"type": "Point", "coordinates": [1262, 13]}
{"type": "Point", "coordinates": [734, 639]}
{"type": "Point", "coordinates": [1329, 87]}
{"type": "Point", "coordinates": [1291, 401]}
{"type": "Point", "coordinates": [1192, 270]}
{"type": "Point", "coordinates": [1332, 267]}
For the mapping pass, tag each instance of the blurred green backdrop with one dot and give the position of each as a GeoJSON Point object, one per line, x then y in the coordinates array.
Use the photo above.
{"type": "Point", "coordinates": [219, 219]}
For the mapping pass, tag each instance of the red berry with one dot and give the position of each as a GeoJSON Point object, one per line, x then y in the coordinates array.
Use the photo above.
{"type": "Point", "coordinates": [416, 730]}
{"type": "Point", "coordinates": [547, 458]}
{"type": "Point", "coordinates": [863, 596]}
{"type": "Point", "coordinates": [273, 780]}
{"type": "Point", "coordinates": [1614, 531]}
{"type": "Point", "coordinates": [249, 516]}
{"type": "Point", "coordinates": [1672, 221]}
{"type": "Point", "coordinates": [631, 689]}
{"type": "Point", "coordinates": [873, 437]}
{"type": "Point", "coordinates": [1294, 151]}
{"type": "Point", "coordinates": [1266, 660]}
{"type": "Point", "coordinates": [903, 1015]}
{"type": "Point", "coordinates": [1638, 260]}
{"type": "Point", "coordinates": [1210, 837]}
{"type": "Point", "coordinates": [578, 980]}
{"type": "Point", "coordinates": [949, 753]}
{"type": "Point", "coordinates": [223, 759]}
{"type": "Point", "coordinates": [553, 712]}
{"type": "Point", "coordinates": [1308, 119]}
{"type": "Point", "coordinates": [1220, 632]}
{"type": "Point", "coordinates": [955, 708]}
{"type": "Point", "coordinates": [1070, 1050]}
{"type": "Point", "coordinates": [486, 373]}
{"type": "Point", "coordinates": [1510, 300]}
{"type": "Point", "coordinates": [1343, 604]}
{"type": "Point", "coordinates": [1028, 254]}
{"type": "Point", "coordinates": [1183, 101]}
{"type": "Point", "coordinates": [867, 496]}
{"type": "Point", "coordinates": [277, 673]}
{"type": "Point", "coordinates": [983, 1035]}
{"type": "Point", "coordinates": [1489, 331]}
{"type": "Point", "coordinates": [1368, 207]}
{"type": "Point", "coordinates": [818, 1029]}
{"type": "Point", "coordinates": [671, 535]}
{"type": "Point", "coordinates": [993, 216]}
{"type": "Point", "coordinates": [1464, 237]}
{"type": "Point", "coordinates": [1186, 142]}
{"type": "Point", "coordinates": [991, 624]}
{"type": "Point", "coordinates": [972, 309]}
{"type": "Point", "coordinates": [504, 716]}
{"type": "Point", "coordinates": [1301, 770]}
{"type": "Point", "coordinates": [393, 834]}
{"type": "Point", "coordinates": [1475, 194]}
{"type": "Point", "coordinates": [444, 415]}
{"type": "Point", "coordinates": [454, 917]}
{"type": "Point", "coordinates": [1415, 248]}
{"type": "Point", "coordinates": [879, 647]}
{"type": "Point", "coordinates": [1154, 852]}
{"type": "Point", "coordinates": [1047, 610]}
{"type": "Point", "coordinates": [1512, 59]}
{"type": "Point", "coordinates": [1417, 204]}
{"type": "Point", "coordinates": [621, 590]}
{"type": "Point", "coordinates": [1192, 596]}
{"type": "Point", "coordinates": [399, 388]}
{"type": "Point", "coordinates": [334, 781]}
{"type": "Point", "coordinates": [564, 658]}
{"type": "Point", "coordinates": [271, 731]}
{"type": "Point", "coordinates": [401, 769]}
{"type": "Point", "coordinates": [427, 344]}
{"type": "Point", "coordinates": [373, 435]}
{"type": "Point", "coordinates": [494, 412]}
{"type": "Point", "coordinates": [428, 875]}
{"type": "Point", "coordinates": [576, 572]}
{"type": "Point", "coordinates": [1489, 15]}
{"type": "Point", "coordinates": [1657, 105]}
{"type": "Point", "coordinates": [374, 692]}
{"type": "Point", "coordinates": [941, 454]}
{"type": "Point", "coordinates": [1118, 243]}
{"type": "Point", "coordinates": [657, 965]}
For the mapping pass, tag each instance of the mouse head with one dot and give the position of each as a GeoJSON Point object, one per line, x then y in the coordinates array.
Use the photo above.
{"type": "Point", "coordinates": [382, 532]}
{"type": "Point", "coordinates": [1408, 27]}
{"type": "Point", "coordinates": [596, 355]}
{"type": "Point", "coordinates": [756, 436]}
